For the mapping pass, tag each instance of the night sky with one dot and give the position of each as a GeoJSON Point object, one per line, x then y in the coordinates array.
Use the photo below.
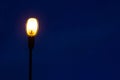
{"type": "Point", "coordinates": [77, 39]}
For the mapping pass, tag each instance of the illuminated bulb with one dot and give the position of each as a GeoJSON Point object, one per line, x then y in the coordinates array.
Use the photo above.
{"type": "Point", "coordinates": [32, 27]}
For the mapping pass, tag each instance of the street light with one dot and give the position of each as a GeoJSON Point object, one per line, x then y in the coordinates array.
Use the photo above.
{"type": "Point", "coordinates": [31, 30]}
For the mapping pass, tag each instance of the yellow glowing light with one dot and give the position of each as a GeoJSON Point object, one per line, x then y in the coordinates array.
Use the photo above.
{"type": "Point", "coordinates": [32, 27]}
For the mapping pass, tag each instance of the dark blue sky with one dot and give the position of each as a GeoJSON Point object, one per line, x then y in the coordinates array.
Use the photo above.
{"type": "Point", "coordinates": [78, 40]}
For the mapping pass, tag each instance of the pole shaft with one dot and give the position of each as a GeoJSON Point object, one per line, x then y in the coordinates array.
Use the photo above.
{"type": "Point", "coordinates": [30, 64]}
{"type": "Point", "coordinates": [30, 45]}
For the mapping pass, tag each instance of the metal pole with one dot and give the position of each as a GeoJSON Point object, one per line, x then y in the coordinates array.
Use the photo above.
{"type": "Point", "coordinates": [30, 45]}
{"type": "Point", "coordinates": [30, 64]}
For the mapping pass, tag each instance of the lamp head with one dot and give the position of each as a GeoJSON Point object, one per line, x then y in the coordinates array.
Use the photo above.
{"type": "Point", "coordinates": [32, 27]}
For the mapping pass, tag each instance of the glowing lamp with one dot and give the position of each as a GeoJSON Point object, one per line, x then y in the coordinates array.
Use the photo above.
{"type": "Point", "coordinates": [32, 27]}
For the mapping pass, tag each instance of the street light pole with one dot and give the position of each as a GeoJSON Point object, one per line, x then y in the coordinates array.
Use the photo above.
{"type": "Point", "coordinates": [30, 64]}
{"type": "Point", "coordinates": [31, 29]}
{"type": "Point", "coordinates": [31, 46]}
